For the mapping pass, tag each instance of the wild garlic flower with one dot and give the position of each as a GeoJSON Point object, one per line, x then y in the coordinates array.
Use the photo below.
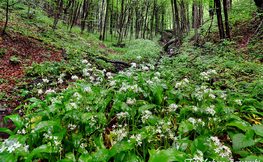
{"type": "Point", "coordinates": [149, 82]}
{"type": "Point", "coordinates": [113, 83]}
{"type": "Point", "coordinates": [87, 89]}
{"type": "Point", "coordinates": [133, 64]}
{"type": "Point", "coordinates": [238, 102]}
{"type": "Point", "coordinates": [45, 80]}
{"type": "Point", "coordinates": [85, 72]}
{"type": "Point", "coordinates": [192, 120]}
{"type": "Point", "coordinates": [172, 108]}
{"type": "Point", "coordinates": [39, 85]}
{"type": "Point", "coordinates": [182, 84]}
{"type": "Point", "coordinates": [221, 149]}
{"type": "Point", "coordinates": [145, 68]}
{"type": "Point", "coordinates": [208, 74]}
{"type": "Point", "coordinates": [139, 57]}
{"type": "Point", "coordinates": [223, 96]}
{"type": "Point", "coordinates": [60, 80]}
{"type": "Point", "coordinates": [123, 115]}
{"type": "Point", "coordinates": [157, 73]}
{"type": "Point", "coordinates": [156, 79]}
{"type": "Point", "coordinates": [50, 91]}
{"type": "Point", "coordinates": [84, 61]}
{"type": "Point", "coordinates": [199, 156]}
{"type": "Point", "coordinates": [40, 91]}
{"type": "Point", "coordinates": [72, 126]}
{"type": "Point", "coordinates": [131, 101]}
{"type": "Point", "coordinates": [10, 146]}
{"type": "Point", "coordinates": [120, 133]}
{"type": "Point", "coordinates": [77, 96]}
{"type": "Point", "coordinates": [74, 77]}
{"type": "Point", "coordinates": [145, 115]}
{"type": "Point", "coordinates": [210, 110]}
{"type": "Point", "coordinates": [109, 75]}
{"type": "Point", "coordinates": [212, 96]}
{"type": "Point", "coordinates": [194, 108]}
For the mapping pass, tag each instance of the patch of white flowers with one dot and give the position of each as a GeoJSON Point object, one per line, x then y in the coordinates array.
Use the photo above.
{"type": "Point", "coordinates": [238, 102]}
{"type": "Point", "coordinates": [145, 115]}
{"type": "Point", "coordinates": [182, 84]}
{"type": "Point", "coordinates": [222, 150]}
{"type": "Point", "coordinates": [207, 75]}
{"type": "Point", "coordinates": [11, 146]}
{"type": "Point", "coordinates": [123, 115]}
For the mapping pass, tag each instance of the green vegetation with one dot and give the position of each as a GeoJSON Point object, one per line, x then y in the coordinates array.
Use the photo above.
{"type": "Point", "coordinates": [196, 102]}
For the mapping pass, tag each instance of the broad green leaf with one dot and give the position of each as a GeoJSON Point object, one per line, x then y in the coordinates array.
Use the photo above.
{"type": "Point", "coordinates": [258, 129]}
{"type": "Point", "coordinates": [85, 158]}
{"type": "Point", "coordinates": [242, 153]}
{"type": "Point", "coordinates": [99, 142]}
{"type": "Point", "coordinates": [47, 124]}
{"type": "Point", "coordinates": [120, 146]}
{"type": "Point", "coordinates": [85, 117]}
{"type": "Point", "coordinates": [129, 156]}
{"type": "Point", "coordinates": [6, 131]}
{"type": "Point", "coordinates": [243, 125]}
{"type": "Point", "coordinates": [7, 157]}
{"type": "Point", "coordinates": [167, 155]}
{"type": "Point", "coordinates": [241, 141]}
{"type": "Point", "coordinates": [70, 156]}
{"type": "Point", "coordinates": [16, 119]}
{"type": "Point", "coordinates": [40, 149]}
{"type": "Point", "coordinates": [76, 139]}
{"type": "Point", "coordinates": [101, 155]}
{"type": "Point", "coordinates": [185, 127]}
{"type": "Point", "coordinates": [145, 107]}
{"type": "Point", "coordinates": [200, 143]}
{"type": "Point", "coordinates": [253, 158]}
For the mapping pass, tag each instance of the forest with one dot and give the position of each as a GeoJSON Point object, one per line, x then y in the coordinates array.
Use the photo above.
{"type": "Point", "coordinates": [131, 80]}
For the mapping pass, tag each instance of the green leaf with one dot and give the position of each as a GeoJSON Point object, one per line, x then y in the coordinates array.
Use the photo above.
{"type": "Point", "coordinates": [6, 131]}
{"type": "Point", "coordinates": [129, 156]}
{"type": "Point", "coordinates": [167, 155]}
{"type": "Point", "coordinates": [70, 156]}
{"type": "Point", "coordinates": [16, 119]}
{"type": "Point", "coordinates": [120, 146]}
{"type": "Point", "coordinates": [40, 149]}
{"type": "Point", "coordinates": [252, 158]}
{"type": "Point", "coordinates": [7, 157]}
{"type": "Point", "coordinates": [99, 142]}
{"type": "Point", "coordinates": [185, 127]}
{"type": "Point", "coordinates": [85, 158]}
{"type": "Point", "coordinates": [101, 155]}
{"type": "Point", "coordinates": [43, 125]}
{"type": "Point", "coordinates": [200, 143]}
{"type": "Point", "coordinates": [76, 139]}
{"type": "Point", "coordinates": [243, 125]}
{"type": "Point", "coordinates": [85, 117]}
{"type": "Point", "coordinates": [258, 129]}
{"type": "Point", "coordinates": [241, 141]}
{"type": "Point", "coordinates": [145, 107]}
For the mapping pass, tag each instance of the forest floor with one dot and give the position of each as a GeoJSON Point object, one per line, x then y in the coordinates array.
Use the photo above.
{"type": "Point", "coordinates": [19, 52]}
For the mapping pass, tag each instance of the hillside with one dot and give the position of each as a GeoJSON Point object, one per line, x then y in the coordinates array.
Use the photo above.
{"type": "Point", "coordinates": [69, 96]}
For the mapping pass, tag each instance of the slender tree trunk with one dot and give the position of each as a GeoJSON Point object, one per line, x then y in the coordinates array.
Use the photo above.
{"type": "Point", "coordinates": [146, 14]}
{"type": "Point", "coordinates": [226, 19]}
{"type": "Point", "coordinates": [219, 19]}
{"type": "Point", "coordinates": [196, 21]}
{"type": "Point", "coordinates": [173, 14]}
{"type": "Point", "coordinates": [6, 17]}
{"type": "Point", "coordinates": [122, 19]}
{"type": "Point", "coordinates": [28, 10]}
{"type": "Point", "coordinates": [179, 32]}
{"type": "Point", "coordinates": [58, 10]}
{"type": "Point", "coordinates": [101, 16]}
{"type": "Point", "coordinates": [105, 22]}
{"type": "Point", "coordinates": [83, 15]}
{"type": "Point", "coordinates": [152, 19]}
{"type": "Point", "coordinates": [200, 15]}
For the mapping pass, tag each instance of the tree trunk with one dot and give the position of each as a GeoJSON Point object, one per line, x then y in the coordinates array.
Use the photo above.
{"type": "Point", "coordinates": [226, 19]}
{"type": "Point", "coordinates": [6, 17]}
{"type": "Point", "coordinates": [105, 21]}
{"type": "Point", "coordinates": [259, 4]}
{"type": "Point", "coordinates": [146, 14]}
{"type": "Point", "coordinates": [219, 19]}
{"type": "Point", "coordinates": [57, 10]}
{"type": "Point", "coordinates": [172, 3]}
{"type": "Point", "coordinates": [122, 18]}
{"type": "Point", "coordinates": [179, 32]}
{"type": "Point", "coordinates": [196, 21]}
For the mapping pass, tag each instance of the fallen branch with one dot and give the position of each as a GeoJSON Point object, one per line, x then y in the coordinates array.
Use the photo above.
{"type": "Point", "coordinates": [165, 48]}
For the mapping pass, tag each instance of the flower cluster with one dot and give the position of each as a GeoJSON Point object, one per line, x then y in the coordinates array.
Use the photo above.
{"type": "Point", "coordinates": [145, 115]}
{"type": "Point", "coordinates": [208, 74]}
{"type": "Point", "coordinates": [11, 146]}
{"type": "Point", "coordinates": [123, 115]}
{"type": "Point", "coordinates": [182, 84]}
{"type": "Point", "coordinates": [220, 149]}
{"type": "Point", "coordinates": [210, 110]}
{"type": "Point", "coordinates": [131, 101]}
{"type": "Point", "coordinates": [120, 133]}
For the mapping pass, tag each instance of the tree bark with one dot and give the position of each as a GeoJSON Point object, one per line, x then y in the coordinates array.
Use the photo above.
{"type": "Point", "coordinates": [6, 17]}
{"type": "Point", "coordinates": [105, 21]}
{"type": "Point", "coordinates": [219, 19]}
{"type": "Point", "coordinates": [226, 19]}
{"type": "Point", "coordinates": [179, 33]}
{"type": "Point", "coordinates": [196, 21]}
